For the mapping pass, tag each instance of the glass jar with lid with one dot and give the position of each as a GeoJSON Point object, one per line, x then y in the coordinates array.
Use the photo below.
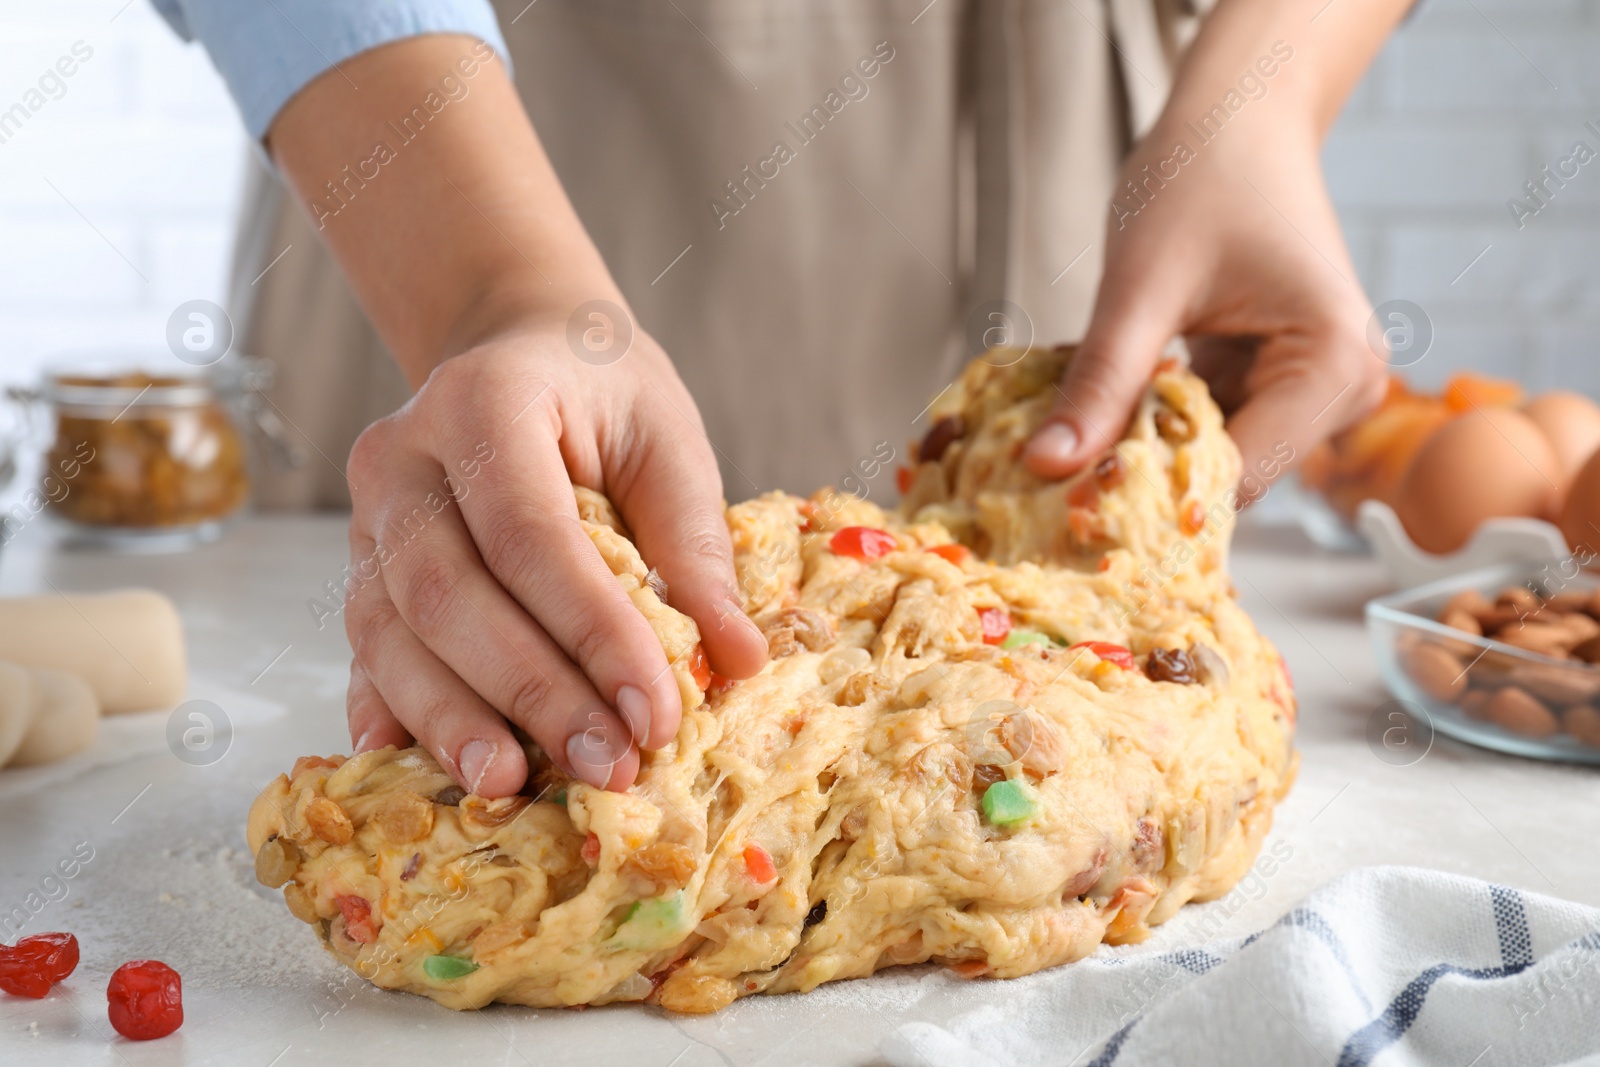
{"type": "Point", "coordinates": [144, 460]}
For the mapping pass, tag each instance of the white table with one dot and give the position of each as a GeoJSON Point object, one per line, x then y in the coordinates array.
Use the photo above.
{"type": "Point", "coordinates": [171, 877]}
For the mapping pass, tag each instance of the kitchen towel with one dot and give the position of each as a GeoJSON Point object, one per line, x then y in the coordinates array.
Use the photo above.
{"type": "Point", "coordinates": [1382, 966]}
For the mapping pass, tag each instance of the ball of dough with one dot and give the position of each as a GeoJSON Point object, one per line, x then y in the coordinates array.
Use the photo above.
{"type": "Point", "coordinates": [127, 645]}
{"type": "Point", "coordinates": [16, 709]}
{"type": "Point", "coordinates": [66, 718]}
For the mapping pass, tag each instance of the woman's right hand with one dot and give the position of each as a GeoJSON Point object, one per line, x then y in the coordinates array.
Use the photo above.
{"type": "Point", "coordinates": [478, 601]}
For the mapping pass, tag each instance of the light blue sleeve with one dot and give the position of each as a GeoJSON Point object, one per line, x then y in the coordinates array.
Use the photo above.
{"type": "Point", "coordinates": [267, 50]}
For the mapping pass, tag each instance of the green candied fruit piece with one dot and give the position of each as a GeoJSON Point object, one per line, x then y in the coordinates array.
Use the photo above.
{"type": "Point", "coordinates": [1008, 803]}
{"type": "Point", "coordinates": [560, 798]}
{"type": "Point", "coordinates": [652, 924]}
{"type": "Point", "coordinates": [1018, 638]}
{"type": "Point", "coordinates": [447, 968]}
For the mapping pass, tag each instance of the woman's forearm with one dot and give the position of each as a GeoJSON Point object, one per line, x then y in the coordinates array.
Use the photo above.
{"type": "Point", "coordinates": [1328, 49]}
{"type": "Point", "coordinates": [421, 171]}
{"type": "Point", "coordinates": [1221, 231]}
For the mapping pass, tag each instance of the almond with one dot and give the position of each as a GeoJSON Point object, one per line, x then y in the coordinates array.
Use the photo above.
{"type": "Point", "coordinates": [1545, 638]}
{"type": "Point", "coordinates": [1436, 671]}
{"type": "Point", "coordinates": [1519, 597]}
{"type": "Point", "coordinates": [1469, 601]}
{"type": "Point", "coordinates": [1520, 712]}
{"type": "Point", "coordinates": [1558, 685]}
{"type": "Point", "coordinates": [1583, 722]}
{"type": "Point", "coordinates": [1461, 620]}
{"type": "Point", "coordinates": [1567, 603]}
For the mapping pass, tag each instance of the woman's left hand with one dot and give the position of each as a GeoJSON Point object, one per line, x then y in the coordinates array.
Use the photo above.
{"type": "Point", "coordinates": [1233, 243]}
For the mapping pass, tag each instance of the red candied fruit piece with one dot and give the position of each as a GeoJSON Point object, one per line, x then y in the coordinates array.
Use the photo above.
{"type": "Point", "coordinates": [1084, 493]}
{"type": "Point", "coordinates": [1108, 652]}
{"type": "Point", "coordinates": [863, 543]}
{"type": "Point", "coordinates": [700, 668]}
{"type": "Point", "coordinates": [145, 1000]}
{"type": "Point", "coordinates": [31, 966]}
{"type": "Point", "coordinates": [995, 623]}
{"type": "Point", "coordinates": [957, 554]}
{"type": "Point", "coordinates": [591, 849]}
{"type": "Point", "coordinates": [1192, 519]}
{"type": "Point", "coordinates": [758, 864]}
{"type": "Point", "coordinates": [358, 922]}
{"type": "Point", "coordinates": [903, 478]}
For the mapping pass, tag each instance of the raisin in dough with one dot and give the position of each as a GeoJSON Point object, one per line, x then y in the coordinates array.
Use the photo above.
{"type": "Point", "coordinates": [860, 762]}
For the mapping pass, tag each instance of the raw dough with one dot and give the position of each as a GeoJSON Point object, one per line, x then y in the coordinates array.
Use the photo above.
{"type": "Point", "coordinates": [66, 718]}
{"type": "Point", "coordinates": [864, 758]}
{"type": "Point", "coordinates": [16, 709]}
{"type": "Point", "coordinates": [127, 645]}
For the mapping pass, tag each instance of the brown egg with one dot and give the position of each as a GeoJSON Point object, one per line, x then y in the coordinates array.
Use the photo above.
{"type": "Point", "coordinates": [1580, 515]}
{"type": "Point", "coordinates": [1486, 463]}
{"type": "Point", "coordinates": [1571, 423]}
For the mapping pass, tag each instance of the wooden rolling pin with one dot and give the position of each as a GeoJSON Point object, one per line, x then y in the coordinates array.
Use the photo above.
{"type": "Point", "coordinates": [127, 645]}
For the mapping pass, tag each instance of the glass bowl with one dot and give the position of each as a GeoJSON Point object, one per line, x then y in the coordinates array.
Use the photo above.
{"type": "Point", "coordinates": [1484, 691]}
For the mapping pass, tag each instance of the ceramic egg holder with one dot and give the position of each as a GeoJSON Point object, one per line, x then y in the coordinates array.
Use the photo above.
{"type": "Point", "coordinates": [1496, 541]}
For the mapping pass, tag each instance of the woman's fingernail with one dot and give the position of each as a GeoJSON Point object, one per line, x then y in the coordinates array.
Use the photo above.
{"type": "Point", "coordinates": [634, 707]}
{"type": "Point", "coordinates": [361, 742]}
{"type": "Point", "coordinates": [592, 756]}
{"type": "Point", "coordinates": [475, 760]}
{"type": "Point", "coordinates": [1056, 443]}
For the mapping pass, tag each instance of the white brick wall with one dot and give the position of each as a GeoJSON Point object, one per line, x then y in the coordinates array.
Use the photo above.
{"type": "Point", "coordinates": [1454, 117]}
{"type": "Point", "coordinates": [145, 144]}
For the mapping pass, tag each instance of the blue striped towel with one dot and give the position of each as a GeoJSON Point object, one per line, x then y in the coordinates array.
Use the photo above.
{"type": "Point", "coordinates": [1383, 966]}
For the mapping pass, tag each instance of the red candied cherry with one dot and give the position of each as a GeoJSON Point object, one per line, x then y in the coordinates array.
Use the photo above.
{"type": "Point", "coordinates": [146, 1000]}
{"type": "Point", "coordinates": [31, 966]}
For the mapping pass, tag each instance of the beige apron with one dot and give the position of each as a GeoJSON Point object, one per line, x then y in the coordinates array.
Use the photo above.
{"type": "Point", "coordinates": [820, 208]}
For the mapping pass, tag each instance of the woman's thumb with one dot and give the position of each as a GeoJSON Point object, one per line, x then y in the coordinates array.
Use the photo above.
{"type": "Point", "coordinates": [1100, 387]}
